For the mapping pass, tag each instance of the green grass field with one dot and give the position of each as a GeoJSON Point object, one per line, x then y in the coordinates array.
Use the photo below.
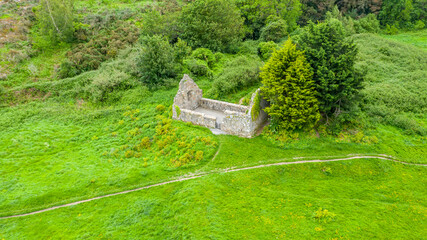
{"type": "Point", "coordinates": [418, 38]}
{"type": "Point", "coordinates": [362, 199]}
{"type": "Point", "coordinates": [58, 146]}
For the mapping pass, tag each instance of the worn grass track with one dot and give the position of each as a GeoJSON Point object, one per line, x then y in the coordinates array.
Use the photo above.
{"type": "Point", "coordinates": [198, 175]}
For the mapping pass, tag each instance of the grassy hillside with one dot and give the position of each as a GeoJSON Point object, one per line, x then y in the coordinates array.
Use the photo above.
{"type": "Point", "coordinates": [70, 139]}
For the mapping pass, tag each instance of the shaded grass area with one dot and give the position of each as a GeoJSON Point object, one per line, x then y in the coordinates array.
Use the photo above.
{"type": "Point", "coordinates": [418, 38]}
{"type": "Point", "coordinates": [361, 199]}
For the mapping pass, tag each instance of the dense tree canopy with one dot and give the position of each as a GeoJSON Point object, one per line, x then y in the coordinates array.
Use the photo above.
{"type": "Point", "coordinates": [403, 13]}
{"type": "Point", "coordinates": [256, 13]}
{"type": "Point", "coordinates": [288, 86]}
{"type": "Point", "coordinates": [213, 24]}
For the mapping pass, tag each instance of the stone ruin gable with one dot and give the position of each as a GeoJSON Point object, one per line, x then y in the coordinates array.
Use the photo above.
{"type": "Point", "coordinates": [189, 94]}
{"type": "Point", "coordinates": [190, 106]}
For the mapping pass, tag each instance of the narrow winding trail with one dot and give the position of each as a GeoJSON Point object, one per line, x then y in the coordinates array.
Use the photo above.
{"type": "Point", "coordinates": [199, 175]}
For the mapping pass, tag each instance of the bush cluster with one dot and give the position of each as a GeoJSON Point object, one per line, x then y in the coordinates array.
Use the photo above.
{"type": "Point", "coordinates": [89, 56]}
{"type": "Point", "coordinates": [106, 82]}
{"type": "Point", "coordinates": [237, 74]}
{"type": "Point", "coordinates": [156, 62]}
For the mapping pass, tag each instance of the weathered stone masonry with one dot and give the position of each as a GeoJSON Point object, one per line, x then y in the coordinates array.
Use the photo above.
{"type": "Point", "coordinates": [190, 106]}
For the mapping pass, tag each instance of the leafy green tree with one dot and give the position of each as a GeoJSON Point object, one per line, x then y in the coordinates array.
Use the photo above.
{"type": "Point", "coordinates": [288, 86]}
{"type": "Point", "coordinates": [332, 57]}
{"type": "Point", "coordinates": [157, 61]}
{"type": "Point", "coordinates": [396, 12]}
{"type": "Point", "coordinates": [256, 13]}
{"type": "Point", "coordinates": [55, 18]}
{"type": "Point", "coordinates": [213, 24]}
{"type": "Point", "coordinates": [275, 30]}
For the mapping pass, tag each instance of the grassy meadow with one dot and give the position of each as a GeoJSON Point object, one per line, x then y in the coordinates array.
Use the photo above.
{"type": "Point", "coordinates": [60, 144]}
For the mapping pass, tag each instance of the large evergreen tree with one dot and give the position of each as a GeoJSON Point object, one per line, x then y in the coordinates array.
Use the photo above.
{"type": "Point", "coordinates": [288, 86]}
{"type": "Point", "coordinates": [332, 57]}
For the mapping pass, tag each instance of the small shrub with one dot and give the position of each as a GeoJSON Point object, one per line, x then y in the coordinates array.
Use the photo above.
{"type": "Point", "coordinates": [327, 170]}
{"type": "Point", "coordinates": [391, 30]}
{"type": "Point", "coordinates": [206, 55]}
{"type": "Point", "coordinates": [160, 108]}
{"type": "Point", "coordinates": [219, 56]}
{"type": "Point", "coordinates": [324, 215]}
{"type": "Point", "coordinates": [106, 82]}
{"type": "Point", "coordinates": [248, 47]}
{"type": "Point", "coordinates": [198, 67]}
{"type": "Point", "coordinates": [178, 111]}
{"type": "Point", "coordinates": [199, 156]}
{"type": "Point", "coordinates": [145, 143]}
{"type": "Point", "coordinates": [134, 132]}
{"type": "Point", "coordinates": [368, 24]}
{"type": "Point", "coordinates": [129, 154]}
{"type": "Point", "coordinates": [419, 25]}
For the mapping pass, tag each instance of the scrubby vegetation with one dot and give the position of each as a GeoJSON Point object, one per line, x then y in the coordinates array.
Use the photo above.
{"type": "Point", "coordinates": [86, 92]}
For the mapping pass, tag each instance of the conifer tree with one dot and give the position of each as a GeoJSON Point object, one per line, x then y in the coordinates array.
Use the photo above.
{"type": "Point", "coordinates": [288, 86]}
{"type": "Point", "coordinates": [332, 57]}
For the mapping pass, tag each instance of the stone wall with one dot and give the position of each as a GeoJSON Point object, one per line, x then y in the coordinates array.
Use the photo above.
{"type": "Point", "coordinates": [195, 118]}
{"type": "Point", "coordinates": [237, 123]}
{"type": "Point", "coordinates": [242, 124]}
{"type": "Point", "coordinates": [236, 119]}
{"type": "Point", "coordinates": [222, 106]}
